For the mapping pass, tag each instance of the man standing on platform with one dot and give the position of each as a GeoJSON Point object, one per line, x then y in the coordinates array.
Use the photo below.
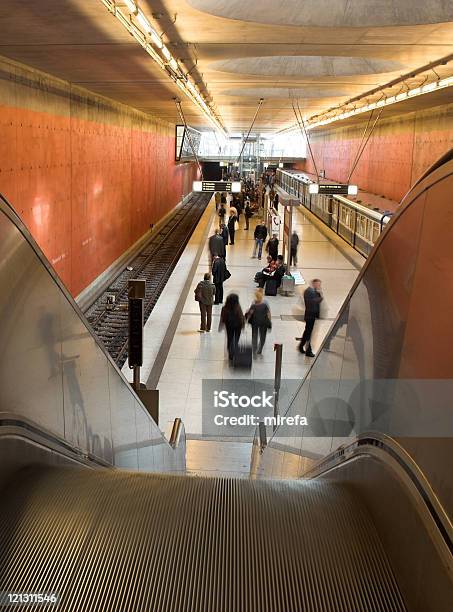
{"type": "Point", "coordinates": [204, 295]}
{"type": "Point", "coordinates": [232, 219]}
{"type": "Point", "coordinates": [216, 245]}
{"type": "Point", "coordinates": [225, 235]}
{"type": "Point", "coordinates": [248, 213]}
{"type": "Point", "coordinates": [260, 236]}
{"type": "Point", "coordinates": [219, 275]}
{"type": "Point", "coordinates": [312, 298]}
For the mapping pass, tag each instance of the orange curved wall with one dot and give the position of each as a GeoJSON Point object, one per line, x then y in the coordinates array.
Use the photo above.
{"type": "Point", "coordinates": [399, 151]}
{"type": "Point", "coordinates": [87, 175]}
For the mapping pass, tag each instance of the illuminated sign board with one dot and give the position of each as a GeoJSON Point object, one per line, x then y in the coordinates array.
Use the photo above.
{"type": "Point", "coordinates": [333, 189]}
{"type": "Point", "coordinates": [228, 186]}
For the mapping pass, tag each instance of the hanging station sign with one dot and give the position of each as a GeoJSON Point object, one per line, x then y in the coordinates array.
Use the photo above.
{"type": "Point", "coordinates": [333, 189]}
{"type": "Point", "coordinates": [226, 186]}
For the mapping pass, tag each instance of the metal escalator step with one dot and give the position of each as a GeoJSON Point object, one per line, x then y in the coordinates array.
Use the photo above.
{"type": "Point", "coordinates": [110, 540]}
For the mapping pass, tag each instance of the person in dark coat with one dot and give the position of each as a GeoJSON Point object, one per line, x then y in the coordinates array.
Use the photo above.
{"type": "Point", "coordinates": [238, 206]}
{"type": "Point", "coordinates": [259, 317]}
{"type": "Point", "coordinates": [280, 270]}
{"type": "Point", "coordinates": [222, 214]}
{"type": "Point", "coordinates": [312, 299]}
{"type": "Point", "coordinates": [248, 213]}
{"type": "Point", "coordinates": [232, 318]}
{"type": "Point", "coordinates": [204, 295]}
{"type": "Point", "coordinates": [294, 245]}
{"type": "Point", "coordinates": [224, 233]}
{"type": "Point", "coordinates": [272, 246]}
{"type": "Point", "coordinates": [260, 236]}
{"type": "Point", "coordinates": [216, 245]}
{"type": "Point", "coordinates": [219, 276]}
{"type": "Point", "coordinates": [231, 225]}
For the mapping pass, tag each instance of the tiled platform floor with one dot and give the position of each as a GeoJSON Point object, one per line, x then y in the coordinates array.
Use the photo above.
{"type": "Point", "coordinates": [193, 356]}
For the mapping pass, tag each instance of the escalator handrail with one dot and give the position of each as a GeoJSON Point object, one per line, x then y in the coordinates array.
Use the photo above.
{"type": "Point", "coordinates": [7, 209]}
{"type": "Point", "coordinates": [391, 447]}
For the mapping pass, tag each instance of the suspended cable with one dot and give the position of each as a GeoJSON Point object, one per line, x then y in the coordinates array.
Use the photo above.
{"type": "Point", "coordinates": [301, 124]}
{"type": "Point", "coordinates": [365, 144]}
{"type": "Point", "coordinates": [250, 129]}
{"type": "Point", "coordinates": [187, 131]}
{"type": "Point", "coordinates": [360, 145]}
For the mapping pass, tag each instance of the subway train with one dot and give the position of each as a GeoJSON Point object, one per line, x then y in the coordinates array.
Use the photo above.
{"type": "Point", "coordinates": [358, 225]}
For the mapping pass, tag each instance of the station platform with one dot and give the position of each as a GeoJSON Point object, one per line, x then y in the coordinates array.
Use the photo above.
{"type": "Point", "coordinates": [177, 357]}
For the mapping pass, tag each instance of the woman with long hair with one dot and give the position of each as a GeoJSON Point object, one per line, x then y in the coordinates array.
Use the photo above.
{"type": "Point", "coordinates": [259, 317]}
{"type": "Point", "coordinates": [232, 318]}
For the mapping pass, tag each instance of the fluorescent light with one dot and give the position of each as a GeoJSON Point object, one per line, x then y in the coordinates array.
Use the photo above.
{"type": "Point", "coordinates": [197, 186]}
{"type": "Point", "coordinates": [353, 190]}
{"type": "Point", "coordinates": [313, 188]}
{"type": "Point", "coordinates": [122, 11]}
{"type": "Point", "coordinates": [411, 93]}
{"type": "Point", "coordinates": [156, 39]}
{"type": "Point", "coordinates": [165, 52]}
{"type": "Point", "coordinates": [130, 5]}
{"type": "Point", "coordinates": [143, 21]}
{"type": "Point", "coordinates": [236, 187]}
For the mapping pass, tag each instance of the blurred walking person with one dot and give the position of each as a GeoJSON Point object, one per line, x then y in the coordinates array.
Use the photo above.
{"type": "Point", "coordinates": [312, 299]}
{"type": "Point", "coordinates": [259, 317]}
{"type": "Point", "coordinates": [294, 246]}
{"type": "Point", "coordinates": [232, 318]}
{"type": "Point", "coordinates": [272, 246]}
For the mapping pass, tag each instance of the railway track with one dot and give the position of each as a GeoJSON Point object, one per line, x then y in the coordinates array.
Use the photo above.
{"type": "Point", "coordinates": [155, 263]}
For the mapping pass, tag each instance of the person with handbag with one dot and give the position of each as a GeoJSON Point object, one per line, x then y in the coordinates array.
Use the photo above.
{"type": "Point", "coordinates": [260, 318]}
{"type": "Point", "coordinates": [232, 319]}
{"type": "Point", "coordinates": [204, 295]}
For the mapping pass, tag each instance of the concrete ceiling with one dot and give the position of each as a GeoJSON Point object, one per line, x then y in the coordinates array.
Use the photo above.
{"type": "Point", "coordinates": [331, 13]}
{"type": "Point", "coordinates": [321, 51]}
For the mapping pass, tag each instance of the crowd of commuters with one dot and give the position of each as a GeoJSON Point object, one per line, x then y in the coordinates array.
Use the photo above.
{"type": "Point", "coordinates": [210, 290]}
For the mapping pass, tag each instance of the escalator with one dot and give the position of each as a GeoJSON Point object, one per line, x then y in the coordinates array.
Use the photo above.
{"type": "Point", "coordinates": [342, 516]}
{"type": "Point", "coordinates": [126, 541]}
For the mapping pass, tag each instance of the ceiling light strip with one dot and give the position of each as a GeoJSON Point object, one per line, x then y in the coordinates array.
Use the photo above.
{"type": "Point", "coordinates": [384, 101]}
{"type": "Point", "coordinates": [136, 23]}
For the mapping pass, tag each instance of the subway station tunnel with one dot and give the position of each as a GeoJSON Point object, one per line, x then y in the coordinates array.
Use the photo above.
{"type": "Point", "coordinates": [286, 446]}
